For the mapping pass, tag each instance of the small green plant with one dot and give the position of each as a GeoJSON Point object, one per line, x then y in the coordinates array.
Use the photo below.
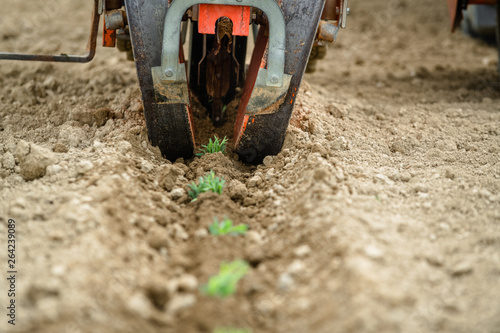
{"type": "Point", "coordinates": [231, 330]}
{"type": "Point", "coordinates": [225, 227]}
{"type": "Point", "coordinates": [214, 146]}
{"type": "Point", "coordinates": [224, 284]}
{"type": "Point", "coordinates": [207, 183]}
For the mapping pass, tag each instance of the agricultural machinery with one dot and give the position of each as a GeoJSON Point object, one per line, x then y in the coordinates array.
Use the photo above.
{"type": "Point", "coordinates": [215, 71]}
{"type": "Point", "coordinates": [479, 18]}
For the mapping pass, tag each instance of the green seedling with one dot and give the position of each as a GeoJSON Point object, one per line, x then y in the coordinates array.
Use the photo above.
{"type": "Point", "coordinates": [224, 284]}
{"type": "Point", "coordinates": [215, 146]}
{"type": "Point", "coordinates": [226, 227]}
{"type": "Point", "coordinates": [232, 330]}
{"type": "Point", "coordinates": [207, 183]}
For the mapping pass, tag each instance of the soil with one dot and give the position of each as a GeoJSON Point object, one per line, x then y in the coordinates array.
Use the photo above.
{"type": "Point", "coordinates": [381, 213]}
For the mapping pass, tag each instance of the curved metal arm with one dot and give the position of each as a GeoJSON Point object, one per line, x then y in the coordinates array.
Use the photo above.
{"type": "Point", "coordinates": [91, 46]}
{"type": "Point", "coordinates": [277, 38]}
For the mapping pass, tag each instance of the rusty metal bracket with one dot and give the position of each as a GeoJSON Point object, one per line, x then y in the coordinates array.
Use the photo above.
{"type": "Point", "coordinates": [91, 46]}
{"type": "Point", "coordinates": [334, 18]}
{"type": "Point", "coordinates": [100, 7]}
{"type": "Point", "coordinates": [327, 32]}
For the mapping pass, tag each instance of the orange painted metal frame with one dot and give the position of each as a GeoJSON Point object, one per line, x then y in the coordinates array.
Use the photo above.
{"type": "Point", "coordinates": [239, 15]}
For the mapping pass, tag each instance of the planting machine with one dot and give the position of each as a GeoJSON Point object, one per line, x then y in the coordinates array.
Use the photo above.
{"type": "Point", "coordinates": [479, 18]}
{"type": "Point", "coordinates": [215, 68]}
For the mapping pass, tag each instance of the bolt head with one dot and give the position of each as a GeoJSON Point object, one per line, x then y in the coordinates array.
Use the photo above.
{"type": "Point", "coordinates": [274, 79]}
{"type": "Point", "coordinates": [169, 72]}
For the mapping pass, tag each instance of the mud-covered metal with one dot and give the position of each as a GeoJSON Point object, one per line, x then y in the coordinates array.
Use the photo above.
{"type": "Point", "coordinates": [265, 99]}
{"type": "Point", "coordinates": [331, 11]}
{"type": "Point", "coordinates": [203, 66]}
{"type": "Point", "coordinates": [169, 92]}
{"type": "Point", "coordinates": [263, 134]}
{"type": "Point", "coordinates": [91, 47]}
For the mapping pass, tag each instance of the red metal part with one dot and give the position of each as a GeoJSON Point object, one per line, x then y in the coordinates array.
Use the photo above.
{"type": "Point", "coordinates": [255, 63]}
{"type": "Point", "coordinates": [239, 15]}
{"type": "Point", "coordinates": [108, 36]}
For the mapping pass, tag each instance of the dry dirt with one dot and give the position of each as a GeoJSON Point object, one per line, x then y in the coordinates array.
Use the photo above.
{"type": "Point", "coordinates": [381, 214]}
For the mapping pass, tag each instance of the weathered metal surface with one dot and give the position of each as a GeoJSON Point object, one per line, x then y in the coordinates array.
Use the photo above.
{"type": "Point", "coordinates": [115, 19]}
{"type": "Point", "coordinates": [255, 63]}
{"type": "Point", "coordinates": [113, 4]}
{"type": "Point", "coordinates": [259, 134]}
{"type": "Point", "coordinates": [108, 36]}
{"type": "Point", "coordinates": [336, 10]}
{"type": "Point", "coordinates": [169, 125]}
{"type": "Point", "coordinates": [264, 134]}
{"type": "Point", "coordinates": [169, 92]}
{"type": "Point", "coordinates": [327, 32]}
{"type": "Point", "coordinates": [218, 73]}
{"type": "Point", "coordinates": [331, 10]}
{"type": "Point", "coordinates": [91, 47]}
{"type": "Point", "coordinates": [200, 78]}
{"type": "Point", "coordinates": [216, 82]}
{"type": "Point", "coordinates": [277, 45]}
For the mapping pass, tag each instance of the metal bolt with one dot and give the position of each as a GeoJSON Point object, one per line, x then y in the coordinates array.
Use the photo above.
{"type": "Point", "coordinates": [348, 10]}
{"type": "Point", "coordinates": [169, 72]}
{"type": "Point", "coordinates": [274, 79]}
